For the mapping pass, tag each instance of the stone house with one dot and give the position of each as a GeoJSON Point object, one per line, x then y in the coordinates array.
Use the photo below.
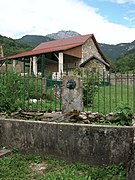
{"type": "Point", "coordinates": [57, 55]}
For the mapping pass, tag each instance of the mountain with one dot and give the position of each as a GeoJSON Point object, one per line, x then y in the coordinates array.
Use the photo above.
{"type": "Point", "coordinates": [11, 46]}
{"type": "Point", "coordinates": [28, 42]}
{"type": "Point", "coordinates": [63, 34]}
{"type": "Point", "coordinates": [115, 51]}
{"type": "Point", "coordinates": [34, 40]}
{"type": "Point", "coordinates": [112, 52]}
{"type": "Point", "coordinates": [124, 63]}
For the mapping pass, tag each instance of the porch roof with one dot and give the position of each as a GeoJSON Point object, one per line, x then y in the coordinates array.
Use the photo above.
{"type": "Point", "coordinates": [94, 57]}
{"type": "Point", "coordinates": [42, 51]}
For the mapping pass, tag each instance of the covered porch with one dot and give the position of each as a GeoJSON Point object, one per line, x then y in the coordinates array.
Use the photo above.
{"type": "Point", "coordinates": [56, 63]}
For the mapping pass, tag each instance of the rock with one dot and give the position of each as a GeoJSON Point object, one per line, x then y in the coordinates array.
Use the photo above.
{"type": "Point", "coordinates": [91, 116]}
{"type": "Point", "coordinates": [15, 113]}
{"type": "Point", "coordinates": [86, 121]}
{"type": "Point", "coordinates": [111, 114]}
{"type": "Point", "coordinates": [32, 113]}
{"type": "Point", "coordinates": [133, 119]}
{"type": "Point", "coordinates": [80, 122]}
{"type": "Point", "coordinates": [82, 116]}
{"type": "Point", "coordinates": [83, 113]}
{"type": "Point", "coordinates": [4, 152]}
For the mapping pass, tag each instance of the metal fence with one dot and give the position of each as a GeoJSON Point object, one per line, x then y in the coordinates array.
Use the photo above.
{"type": "Point", "coordinates": [103, 91]}
{"type": "Point", "coordinates": [110, 91]}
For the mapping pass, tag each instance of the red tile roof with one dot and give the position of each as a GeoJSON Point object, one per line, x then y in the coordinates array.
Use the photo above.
{"type": "Point", "coordinates": [64, 42]}
{"type": "Point", "coordinates": [56, 45]}
{"type": "Point", "coordinates": [45, 50]}
{"type": "Point", "coordinates": [2, 58]}
{"type": "Point", "coordinates": [60, 45]}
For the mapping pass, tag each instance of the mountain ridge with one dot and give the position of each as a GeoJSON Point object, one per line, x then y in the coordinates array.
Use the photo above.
{"type": "Point", "coordinates": [28, 42]}
{"type": "Point", "coordinates": [112, 52]}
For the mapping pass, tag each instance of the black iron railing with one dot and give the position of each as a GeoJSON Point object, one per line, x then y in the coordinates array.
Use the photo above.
{"type": "Point", "coordinates": [103, 91]}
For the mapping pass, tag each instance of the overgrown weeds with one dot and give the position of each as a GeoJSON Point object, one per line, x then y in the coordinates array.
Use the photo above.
{"type": "Point", "coordinates": [20, 166]}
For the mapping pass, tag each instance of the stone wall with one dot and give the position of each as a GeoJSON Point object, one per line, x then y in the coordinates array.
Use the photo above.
{"type": "Point", "coordinates": [94, 64]}
{"type": "Point", "coordinates": [131, 166]}
{"type": "Point", "coordinates": [92, 144]}
{"type": "Point", "coordinates": [89, 49]}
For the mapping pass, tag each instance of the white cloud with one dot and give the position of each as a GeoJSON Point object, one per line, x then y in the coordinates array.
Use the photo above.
{"type": "Point", "coordinates": [120, 1]}
{"type": "Point", "coordinates": [21, 17]}
{"type": "Point", "coordinates": [130, 19]}
{"type": "Point", "coordinates": [125, 1]}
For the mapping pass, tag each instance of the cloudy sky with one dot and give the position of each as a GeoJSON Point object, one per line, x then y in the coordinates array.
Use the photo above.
{"type": "Point", "coordinates": [111, 21]}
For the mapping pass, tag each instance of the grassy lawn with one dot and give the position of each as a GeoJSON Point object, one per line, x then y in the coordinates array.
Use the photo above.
{"type": "Point", "coordinates": [106, 100]}
{"type": "Point", "coordinates": [19, 166]}
{"type": "Point", "coordinates": [109, 97]}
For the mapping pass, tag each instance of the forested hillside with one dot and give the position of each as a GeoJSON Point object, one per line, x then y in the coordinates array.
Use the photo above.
{"type": "Point", "coordinates": [11, 46]}
{"type": "Point", "coordinates": [115, 51]}
{"type": "Point", "coordinates": [121, 56]}
{"type": "Point", "coordinates": [33, 40]}
{"type": "Point", "coordinates": [124, 63]}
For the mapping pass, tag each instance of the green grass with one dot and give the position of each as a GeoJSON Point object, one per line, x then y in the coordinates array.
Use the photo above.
{"type": "Point", "coordinates": [19, 166]}
{"type": "Point", "coordinates": [106, 100]}
{"type": "Point", "coordinates": [42, 105]}
{"type": "Point", "coordinates": [109, 97]}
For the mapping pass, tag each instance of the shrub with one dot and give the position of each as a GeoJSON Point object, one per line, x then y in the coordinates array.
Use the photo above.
{"type": "Point", "coordinates": [10, 91]}
{"type": "Point", "coordinates": [90, 85]}
{"type": "Point", "coordinates": [16, 89]}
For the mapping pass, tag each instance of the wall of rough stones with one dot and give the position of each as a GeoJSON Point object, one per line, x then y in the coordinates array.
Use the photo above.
{"type": "Point", "coordinates": [89, 49]}
{"type": "Point", "coordinates": [92, 144]}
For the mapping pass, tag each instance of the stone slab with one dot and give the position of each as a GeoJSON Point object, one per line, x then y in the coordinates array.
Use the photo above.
{"type": "Point", "coordinates": [4, 152]}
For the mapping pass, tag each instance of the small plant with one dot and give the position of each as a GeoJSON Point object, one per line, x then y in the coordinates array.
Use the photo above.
{"type": "Point", "coordinates": [90, 85]}
{"type": "Point", "coordinates": [123, 115]}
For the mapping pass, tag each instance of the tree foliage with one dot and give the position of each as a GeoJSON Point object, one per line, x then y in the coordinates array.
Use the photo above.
{"type": "Point", "coordinates": [124, 63]}
{"type": "Point", "coordinates": [90, 85]}
{"type": "Point", "coordinates": [11, 46]}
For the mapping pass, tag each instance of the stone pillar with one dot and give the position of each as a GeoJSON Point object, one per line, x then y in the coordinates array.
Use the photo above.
{"type": "Point", "coordinates": [35, 65]}
{"type": "Point", "coordinates": [60, 62]}
{"type": "Point", "coordinates": [13, 64]}
{"type": "Point", "coordinates": [72, 94]}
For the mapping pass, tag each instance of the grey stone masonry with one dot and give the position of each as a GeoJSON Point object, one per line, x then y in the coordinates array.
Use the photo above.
{"type": "Point", "coordinates": [89, 49]}
{"type": "Point", "coordinates": [91, 144]}
{"type": "Point", "coordinates": [72, 99]}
